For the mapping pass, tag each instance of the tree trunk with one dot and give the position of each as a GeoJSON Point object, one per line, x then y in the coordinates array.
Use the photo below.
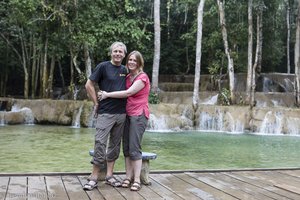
{"type": "Point", "coordinates": [250, 50]}
{"type": "Point", "coordinates": [38, 75]}
{"type": "Point", "coordinates": [61, 75]}
{"type": "Point", "coordinates": [258, 56]}
{"type": "Point", "coordinates": [297, 60]}
{"type": "Point", "coordinates": [75, 64]}
{"type": "Point", "coordinates": [260, 41]}
{"type": "Point", "coordinates": [227, 50]}
{"type": "Point", "coordinates": [33, 70]}
{"type": "Point", "coordinates": [155, 71]}
{"type": "Point", "coordinates": [26, 77]}
{"type": "Point", "coordinates": [187, 58]}
{"type": "Point", "coordinates": [198, 55]}
{"type": "Point", "coordinates": [45, 70]}
{"type": "Point", "coordinates": [87, 59]}
{"type": "Point", "coordinates": [50, 79]}
{"type": "Point", "coordinates": [288, 36]}
{"type": "Point", "coordinates": [41, 75]}
{"type": "Point", "coordinates": [71, 87]}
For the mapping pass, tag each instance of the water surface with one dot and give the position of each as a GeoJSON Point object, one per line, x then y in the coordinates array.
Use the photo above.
{"type": "Point", "coordinates": [64, 149]}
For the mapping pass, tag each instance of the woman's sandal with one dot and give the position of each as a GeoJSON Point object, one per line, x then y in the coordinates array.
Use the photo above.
{"type": "Point", "coordinates": [136, 186]}
{"type": "Point", "coordinates": [91, 184]}
{"type": "Point", "coordinates": [111, 180]}
{"type": "Point", "coordinates": [126, 183]}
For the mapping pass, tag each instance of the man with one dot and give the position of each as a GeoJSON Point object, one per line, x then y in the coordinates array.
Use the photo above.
{"type": "Point", "coordinates": [110, 76]}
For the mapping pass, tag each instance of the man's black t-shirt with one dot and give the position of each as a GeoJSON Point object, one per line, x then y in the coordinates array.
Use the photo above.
{"type": "Point", "coordinates": [110, 78]}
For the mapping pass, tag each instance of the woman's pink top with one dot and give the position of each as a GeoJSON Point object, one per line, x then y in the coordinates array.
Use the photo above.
{"type": "Point", "coordinates": [138, 103]}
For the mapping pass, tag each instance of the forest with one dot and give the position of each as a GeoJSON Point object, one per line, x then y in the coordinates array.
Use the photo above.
{"type": "Point", "coordinates": [56, 44]}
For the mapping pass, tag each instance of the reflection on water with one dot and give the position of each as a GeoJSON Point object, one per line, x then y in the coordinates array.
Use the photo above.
{"type": "Point", "coordinates": [64, 149]}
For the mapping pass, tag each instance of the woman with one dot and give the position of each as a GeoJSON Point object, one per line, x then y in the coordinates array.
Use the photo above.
{"type": "Point", "coordinates": [137, 109]}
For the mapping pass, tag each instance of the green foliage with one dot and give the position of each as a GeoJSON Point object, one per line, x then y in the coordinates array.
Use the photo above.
{"type": "Point", "coordinates": [70, 24]}
{"type": "Point", "coordinates": [224, 97]}
{"type": "Point", "coordinates": [153, 98]}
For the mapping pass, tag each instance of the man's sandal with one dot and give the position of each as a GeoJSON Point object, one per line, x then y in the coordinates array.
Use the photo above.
{"type": "Point", "coordinates": [91, 184]}
{"type": "Point", "coordinates": [126, 183]}
{"type": "Point", "coordinates": [111, 180]}
{"type": "Point", "coordinates": [136, 186]}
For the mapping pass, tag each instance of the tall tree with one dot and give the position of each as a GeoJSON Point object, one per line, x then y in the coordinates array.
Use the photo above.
{"type": "Point", "coordinates": [156, 58]}
{"type": "Point", "coordinates": [198, 54]}
{"type": "Point", "coordinates": [288, 26]}
{"type": "Point", "coordinates": [297, 59]}
{"type": "Point", "coordinates": [250, 51]}
{"type": "Point", "coordinates": [258, 54]}
{"type": "Point", "coordinates": [227, 50]}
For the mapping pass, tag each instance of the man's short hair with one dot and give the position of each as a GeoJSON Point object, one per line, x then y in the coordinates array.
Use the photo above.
{"type": "Point", "coordinates": [121, 44]}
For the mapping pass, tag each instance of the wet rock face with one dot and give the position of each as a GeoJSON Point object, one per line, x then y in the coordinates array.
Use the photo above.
{"type": "Point", "coordinates": [44, 111]}
{"type": "Point", "coordinates": [20, 116]}
{"type": "Point", "coordinates": [165, 117]}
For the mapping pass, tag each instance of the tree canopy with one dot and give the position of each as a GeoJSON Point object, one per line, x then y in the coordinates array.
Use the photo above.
{"type": "Point", "coordinates": [41, 37]}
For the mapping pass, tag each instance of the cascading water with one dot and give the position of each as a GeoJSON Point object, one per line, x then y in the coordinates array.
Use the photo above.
{"type": "Point", "coordinates": [211, 100]}
{"type": "Point", "coordinates": [219, 121]}
{"type": "Point", "coordinates": [2, 120]}
{"type": "Point", "coordinates": [76, 118]}
{"type": "Point", "coordinates": [28, 116]}
{"type": "Point", "coordinates": [272, 123]}
{"type": "Point", "coordinates": [293, 126]}
{"type": "Point", "coordinates": [211, 123]}
{"type": "Point", "coordinates": [24, 115]}
{"type": "Point", "coordinates": [157, 123]}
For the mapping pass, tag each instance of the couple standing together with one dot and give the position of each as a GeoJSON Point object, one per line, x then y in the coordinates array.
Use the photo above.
{"type": "Point", "coordinates": [122, 110]}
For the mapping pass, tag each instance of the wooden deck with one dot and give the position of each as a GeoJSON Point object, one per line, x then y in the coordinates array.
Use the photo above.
{"type": "Point", "coordinates": [249, 184]}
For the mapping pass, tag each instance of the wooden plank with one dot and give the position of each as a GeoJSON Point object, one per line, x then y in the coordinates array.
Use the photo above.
{"type": "Point", "coordinates": [295, 173]}
{"type": "Point", "coordinates": [74, 188]}
{"type": "Point", "coordinates": [243, 186]}
{"type": "Point", "coordinates": [109, 192]}
{"type": "Point", "coordinates": [93, 194]}
{"type": "Point", "coordinates": [176, 185]}
{"type": "Point", "coordinates": [55, 187]}
{"type": "Point", "coordinates": [162, 191]}
{"type": "Point", "coordinates": [17, 188]}
{"type": "Point", "coordinates": [281, 178]}
{"type": "Point", "coordinates": [37, 188]}
{"type": "Point", "coordinates": [204, 191]}
{"type": "Point", "coordinates": [268, 190]}
{"type": "Point", "coordinates": [226, 187]}
{"type": "Point", "coordinates": [3, 186]}
{"type": "Point", "coordinates": [144, 193]}
{"type": "Point", "coordinates": [286, 177]}
{"type": "Point", "coordinates": [261, 177]}
{"type": "Point", "coordinates": [274, 184]}
{"type": "Point", "coordinates": [289, 188]}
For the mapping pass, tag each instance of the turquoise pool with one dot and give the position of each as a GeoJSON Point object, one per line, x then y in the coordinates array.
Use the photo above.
{"type": "Point", "coordinates": [36, 148]}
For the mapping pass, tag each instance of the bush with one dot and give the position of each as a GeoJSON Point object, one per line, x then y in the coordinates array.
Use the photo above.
{"type": "Point", "coordinates": [153, 98]}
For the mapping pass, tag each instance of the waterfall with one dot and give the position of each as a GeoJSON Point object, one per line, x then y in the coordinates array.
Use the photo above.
{"type": "Point", "coordinates": [76, 118]}
{"type": "Point", "coordinates": [2, 120]}
{"type": "Point", "coordinates": [211, 123]}
{"type": "Point", "coordinates": [267, 84]}
{"type": "Point", "coordinates": [76, 90]}
{"type": "Point", "coordinates": [288, 85]}
{"type": "Point", "coordinates": [293, 126]}
{"type": "Point", "coordinates": [28, 116]}
{"type": "Point", "coordinates": [235, 126]}
{"type": "Point", "coordinates": [211, 100]}
{"type": "Point", "coordinates": [220, 121]}
{"type": "Point", "coordinates": [157, 123]}
{"type": "Point", "coordinates": [17, 115]}
{"type": "Point", "coordinates": [272, 123]}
